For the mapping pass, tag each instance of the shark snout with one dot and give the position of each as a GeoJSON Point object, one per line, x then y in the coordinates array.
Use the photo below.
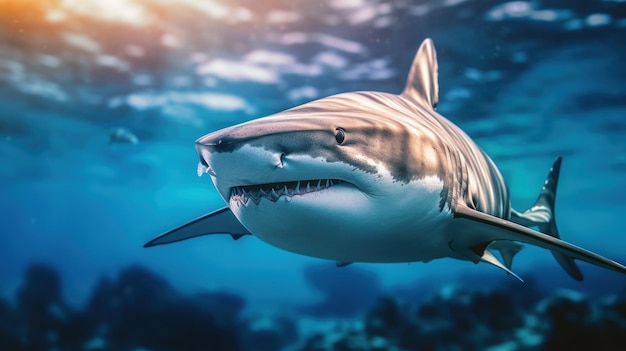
{"type": "Point", "coordinates": [220, 141]}
{"type": "Point", "coordinates": [213, 144]}
{"type": "Point", "coordinates": [243, 159]}
{"type": "Point", "coordinates": [234, 161]}
{"type": "Point", "coordinates": [260, 146]}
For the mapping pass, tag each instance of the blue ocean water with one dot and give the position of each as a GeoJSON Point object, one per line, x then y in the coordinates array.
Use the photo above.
{"type": "Point", "coordinates": [528, 80]}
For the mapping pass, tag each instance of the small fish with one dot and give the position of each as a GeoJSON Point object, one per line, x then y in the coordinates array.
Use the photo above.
{"type": "Point", "coordinates": [122, 136]}
{"type": "Point", "coordinates": [373, 177]}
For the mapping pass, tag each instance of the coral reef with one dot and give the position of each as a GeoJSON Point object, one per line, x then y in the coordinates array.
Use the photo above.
{"type": "Point", "coordinates": [140, 311]}
{"type": "Point", "coordinates": [346, 291]}
{"type": "Point", "coordinates": [503, 318]}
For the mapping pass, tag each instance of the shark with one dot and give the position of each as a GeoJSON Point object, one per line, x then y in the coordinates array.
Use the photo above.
{"type": "Point", "coordinates": [374, 177]}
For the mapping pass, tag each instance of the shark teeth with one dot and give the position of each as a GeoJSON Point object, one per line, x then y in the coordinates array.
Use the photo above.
{"type": "Point", "coordinates": [274, 191]}
{"type": "Point", "coordinates": [204, 168]}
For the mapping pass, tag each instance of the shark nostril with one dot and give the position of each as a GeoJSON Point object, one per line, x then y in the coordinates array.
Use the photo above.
{"type": "Point", "coordinates": [281, 160]}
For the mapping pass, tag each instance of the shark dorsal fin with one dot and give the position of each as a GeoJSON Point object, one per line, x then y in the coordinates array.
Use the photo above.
{"type": "Point", "coordinates": [421, 85]}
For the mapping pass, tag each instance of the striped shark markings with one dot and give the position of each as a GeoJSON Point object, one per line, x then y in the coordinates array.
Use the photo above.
{"type": "Point", "coordinates": [373, 177]}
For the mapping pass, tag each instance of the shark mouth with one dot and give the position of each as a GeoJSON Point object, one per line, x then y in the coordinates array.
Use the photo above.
{"type": "Point", "coordinates": [274, 191]}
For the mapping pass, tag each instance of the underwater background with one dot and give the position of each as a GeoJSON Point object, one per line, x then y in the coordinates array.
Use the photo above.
{"type": "Point", "coordinates": [101, 102]}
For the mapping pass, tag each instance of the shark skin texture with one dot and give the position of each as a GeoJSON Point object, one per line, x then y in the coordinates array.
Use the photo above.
{"type": "Point", "coordinates": [373, 177]}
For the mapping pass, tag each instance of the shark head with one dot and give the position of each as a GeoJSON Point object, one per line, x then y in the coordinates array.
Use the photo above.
{"type": "Point", "coordinates": [314, 178]}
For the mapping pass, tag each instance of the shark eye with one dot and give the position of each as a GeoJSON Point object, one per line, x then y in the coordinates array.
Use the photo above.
{"type": "Point", "coordinates": [340, 135]}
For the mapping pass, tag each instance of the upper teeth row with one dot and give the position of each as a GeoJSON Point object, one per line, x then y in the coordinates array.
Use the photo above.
{"type": "Point", "coordinates": [241, 195]}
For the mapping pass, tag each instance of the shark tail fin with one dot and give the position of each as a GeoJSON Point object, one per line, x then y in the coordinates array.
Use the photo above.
{"type": "Point", "coordinates": [542, 215]}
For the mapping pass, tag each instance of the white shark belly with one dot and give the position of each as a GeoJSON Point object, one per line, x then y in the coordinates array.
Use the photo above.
{"type": "Point", "coordinates": [402, 231]}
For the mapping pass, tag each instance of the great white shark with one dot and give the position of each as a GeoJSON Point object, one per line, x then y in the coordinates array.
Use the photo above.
{"type": "Point", "coordinates": [373, 177]}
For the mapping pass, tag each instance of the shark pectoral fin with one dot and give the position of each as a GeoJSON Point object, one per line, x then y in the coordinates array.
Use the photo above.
{"type": "Point", "coordinates": [221, 221]}
{"type": "Point", "coordinates": [343, 263]}
{"type": "Point", "coordinates": [489, 228]}
{"type": "Point", "coordinates": [508, 250]}
{"type": "Point", "coordinates": [490, 258]}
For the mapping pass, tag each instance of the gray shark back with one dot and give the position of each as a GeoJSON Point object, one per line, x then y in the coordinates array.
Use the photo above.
{"type": "Point", "coordinates": [469, 175]}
